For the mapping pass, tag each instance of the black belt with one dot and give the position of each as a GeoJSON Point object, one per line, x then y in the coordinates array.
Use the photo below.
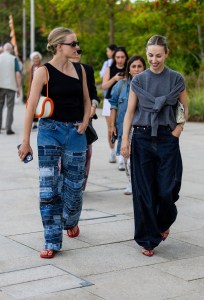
{"type": "Point", "coordinates": [146, 127]}
{"type": "Point", "coordinates": [139, 126]}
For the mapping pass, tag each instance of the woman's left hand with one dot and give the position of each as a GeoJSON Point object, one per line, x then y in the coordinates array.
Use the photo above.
{"type": "Point", "coordinates": [125, 148]}
{"type": "Point", "coordinates": [93, 110]}
{"type": "Point", "coordinates": [177, 131]}
{"type": "Point", "coordinates": [82, 127]}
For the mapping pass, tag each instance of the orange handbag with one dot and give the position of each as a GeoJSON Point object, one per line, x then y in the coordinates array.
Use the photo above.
{"type": "Point", "coordinates": [45, 106]}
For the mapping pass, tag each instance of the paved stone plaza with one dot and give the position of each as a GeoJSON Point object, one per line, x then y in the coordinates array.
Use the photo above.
{"type": "Point", "coordinates": [104, 262]}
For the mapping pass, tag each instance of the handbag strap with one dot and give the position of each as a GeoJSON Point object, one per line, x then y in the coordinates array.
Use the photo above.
{"type": "Point", "coordinates": [79, 71]}
{"type": "Point", "coordinates": [46, 70]}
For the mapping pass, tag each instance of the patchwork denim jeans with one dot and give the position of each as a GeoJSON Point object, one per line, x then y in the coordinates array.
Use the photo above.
{"type": "Point", "coordinates": [61, 156]}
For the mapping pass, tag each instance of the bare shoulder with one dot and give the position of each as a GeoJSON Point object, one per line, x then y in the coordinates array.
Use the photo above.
{"type": "Point", "coordinates": [40, 74]}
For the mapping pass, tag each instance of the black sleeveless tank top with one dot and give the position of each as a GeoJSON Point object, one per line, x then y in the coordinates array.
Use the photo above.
{"type": "Point", "coordinates": [67, 94]}
{"type": "Point", "coordinates": [113, 71]}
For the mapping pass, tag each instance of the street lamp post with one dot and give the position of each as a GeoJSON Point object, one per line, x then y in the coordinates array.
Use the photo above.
{"type": "Point", "coordinates": [24, 32]}
{"type": "Point", "coordinates": [32, 26]}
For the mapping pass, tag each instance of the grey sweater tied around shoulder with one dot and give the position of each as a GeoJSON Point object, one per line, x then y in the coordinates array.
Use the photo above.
{"type": "Point", "coordinates": [155, 104]}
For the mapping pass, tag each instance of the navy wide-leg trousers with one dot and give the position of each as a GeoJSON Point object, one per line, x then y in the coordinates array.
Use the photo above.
{"type": "Point", "coordinates": [156, 172]}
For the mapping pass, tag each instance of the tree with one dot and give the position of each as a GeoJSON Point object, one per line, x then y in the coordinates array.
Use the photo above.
{"type": "Point", "coordinates": [98, 23]}
{"type": "Point", "coordinates": [93, 21]}
{"type": "Point", "coordinates": [179, 21]}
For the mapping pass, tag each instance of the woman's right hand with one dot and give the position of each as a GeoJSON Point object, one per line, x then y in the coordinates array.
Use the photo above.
{"type": "Point", "coordinates": [23, 150]}
{"type": "Point", "coordinates": [112, 130]}
{"type": "Point", "coordinates": [125, 148]}
{"type": "Point", "coordinates": [118, 77]}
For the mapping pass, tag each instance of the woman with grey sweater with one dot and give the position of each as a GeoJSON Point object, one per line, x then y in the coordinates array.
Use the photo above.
{"type": "Point", "coordinates": [156, 165]}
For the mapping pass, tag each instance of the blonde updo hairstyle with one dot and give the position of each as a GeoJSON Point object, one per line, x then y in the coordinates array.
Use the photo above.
{"type": "Point", "coordinates": [56, 37]}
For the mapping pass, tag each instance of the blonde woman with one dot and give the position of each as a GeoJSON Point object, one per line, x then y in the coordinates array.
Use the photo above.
{"type": "Point", "coordinates": [61, 140]}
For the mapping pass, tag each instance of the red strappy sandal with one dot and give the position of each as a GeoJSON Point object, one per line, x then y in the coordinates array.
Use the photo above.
{"type": "Point", "coordinates": [165, 234]}
{"type": "Point", "coordinates": [47, 253]}
{"type": "Point", "coordinates": [73, 232]}
{"type": "Point", "coordinates": [147, 252]}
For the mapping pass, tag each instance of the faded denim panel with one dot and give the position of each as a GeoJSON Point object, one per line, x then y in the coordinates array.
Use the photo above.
{"type": "Point", "coordinates": [62, 155]}
{"type": "Point", "coordinates": [50, 199]}
{"type": "Point", "coordinates": [73, 165]}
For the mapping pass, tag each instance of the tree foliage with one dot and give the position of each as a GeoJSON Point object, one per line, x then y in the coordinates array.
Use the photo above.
{"type": "Point", "coordinates": [98, 23]}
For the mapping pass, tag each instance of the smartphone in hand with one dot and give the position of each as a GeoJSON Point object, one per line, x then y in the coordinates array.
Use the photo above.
{"type": "Point", "coordinates": [114, 138]}
{"type": "Point", "coordinates": [121, 74]}
{"type": "Point", "coordinates": [28, 156]}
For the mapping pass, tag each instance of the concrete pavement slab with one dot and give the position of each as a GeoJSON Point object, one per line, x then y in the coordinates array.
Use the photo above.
{"type": "Point", "coordinates": [44, 286]}
{"type": "Point", "coordinates": [91, 214]}
{"type": "Point", "coordinates": [103, 259]}
{"type": "Point", "coordinates": [12, 249]}
{"type": "Point", "coordinates": [4, 296]}
{"type": "Point", "coordinates": [28, 223]}
{"type": "Point", "coordinates": [188, 269]}
{"type": "Point", "coordinates": [112, 202]}
{"type": "Point", "coordinates": [114, 218]}
{"type": "Point", "coordinates": [186, 223]}
{"type": "Point", "coordinates": [76, 294]}
{"type": "Point", "coordinates": [29, 274]}
{"type": "Point", "coordinates": [36, 241]}
{"type": "Point", "coordinates": [25, 262]}
{"type": "Point", "coordinates": [173, 249]}
{"type": "Point", "coordinates": [189, 296]}
{"type": "Point", "coordinates": [144, 283]}
{"type": "Point", "coordinates": [194, 237]}
{"type": "Point", "coordinates": [192, 207]}
{"type": "Point", "coordinates": [107, 232]}
{"type": "Point", "coordinates": [193, 189]}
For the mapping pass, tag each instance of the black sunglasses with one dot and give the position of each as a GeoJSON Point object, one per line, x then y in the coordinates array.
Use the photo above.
{"type": "Point", "coordinates": [72, 44]}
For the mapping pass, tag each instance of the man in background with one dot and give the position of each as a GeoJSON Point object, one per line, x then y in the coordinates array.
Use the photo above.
{"type": "Point", "coordinates": [10, 83]}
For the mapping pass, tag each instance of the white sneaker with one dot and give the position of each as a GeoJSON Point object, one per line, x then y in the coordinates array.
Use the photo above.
{"type": "Point", "coordinates": [121, 166]}
{"type": "Point", "coordinates": [112, 158]}
{"type": "Point", "coordinates": [128, 190]}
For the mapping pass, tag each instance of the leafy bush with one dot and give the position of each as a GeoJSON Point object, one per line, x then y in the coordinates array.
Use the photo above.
{"type": "Point", "coordinates": [196, 104]}
{"type": "Point", "coordinates": [195, 90]}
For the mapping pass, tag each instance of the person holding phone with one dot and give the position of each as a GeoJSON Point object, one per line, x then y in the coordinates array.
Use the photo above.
{"type": "Point", "coordinates": [112, 75]}
{"type": "Point", "coordinates": [156, 164]}
{"type": "Point", "coordinates": [61, 139]}
{"type": "Point", "coordinates": [119, 101]}
{"type": "Point", "coordinates": [109, 52]}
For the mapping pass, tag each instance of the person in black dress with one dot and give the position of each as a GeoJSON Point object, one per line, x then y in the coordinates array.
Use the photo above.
{"type": "Point", "coordinates": [112, 75]}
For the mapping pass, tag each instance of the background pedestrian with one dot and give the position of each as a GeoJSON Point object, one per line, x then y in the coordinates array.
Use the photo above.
{"type": "Point", "coordinates": [112, 75]}
{"type": "Point", "coordinates": [119, 101]}
{"type": "Point", "coordinates": [10, 84]}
